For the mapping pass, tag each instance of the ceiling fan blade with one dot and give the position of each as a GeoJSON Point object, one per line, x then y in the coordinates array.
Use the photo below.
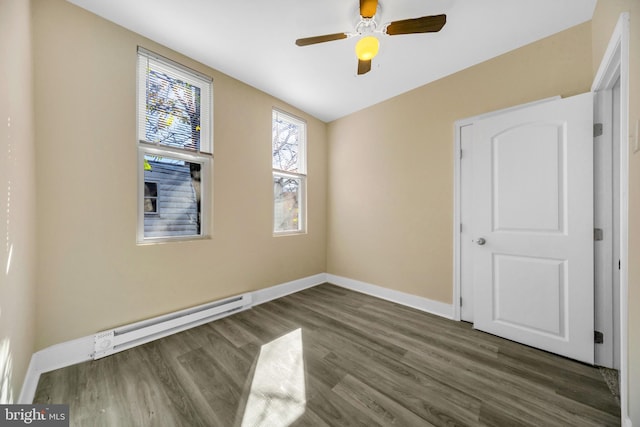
{"type": "Point", "coordinates": [426, 24]}
{"type": "Point", "coordinates": [321, 39]}
{"type": "Point", "coordinates": [364, 66]}
{"type": "Point", "coordinates": [368, 8]}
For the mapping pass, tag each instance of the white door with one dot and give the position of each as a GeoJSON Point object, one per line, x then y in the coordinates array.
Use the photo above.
{"type": "Point", "coordinates": [533, 223]}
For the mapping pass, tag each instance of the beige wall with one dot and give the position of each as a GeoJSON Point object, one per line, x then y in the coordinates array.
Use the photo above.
{"type": "Point", "coordinates": [390, 209]}
{"type": "Point", "coordinates": [17, 198]}
{"type": "Point", "coordinates": [91, 273]}
{"type": "Point", "coordinates": [390, 180]}
{"type": "Point", "coordinates": [604, 20]}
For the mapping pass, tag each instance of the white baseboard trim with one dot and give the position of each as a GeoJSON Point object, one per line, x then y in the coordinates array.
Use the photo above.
{"type": "Point", "coordinates": [265, 295]}
{"type": "Point", "coordinates": [51, 358]}
{"type": "Point", "coordinates": [419, 303]}
{"type": "Point", "coordinates": [30, 383]}
{"type": "Point", "coordinates": [80, 350]}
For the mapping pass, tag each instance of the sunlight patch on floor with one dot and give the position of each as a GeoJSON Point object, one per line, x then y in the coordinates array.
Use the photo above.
{"type": "Point", "coordinates": [277, 397]}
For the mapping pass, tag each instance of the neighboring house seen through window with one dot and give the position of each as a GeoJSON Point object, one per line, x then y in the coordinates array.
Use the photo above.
{"type": "Point", "coordinates": [289, 163]}
{"type": "Point", "coordinates": [175, 149]}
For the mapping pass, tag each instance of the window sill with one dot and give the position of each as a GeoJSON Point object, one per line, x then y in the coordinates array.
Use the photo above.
{"type": "Point", "coordinates": [178, 239]}
{"type": "Point", "coordinates": [289, 233]}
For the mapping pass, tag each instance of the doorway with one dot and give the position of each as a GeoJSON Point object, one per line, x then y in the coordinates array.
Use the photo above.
{"type": "Point", "coordinates": [613, 71]}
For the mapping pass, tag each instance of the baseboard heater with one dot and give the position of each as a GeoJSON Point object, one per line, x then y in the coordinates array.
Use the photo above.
{"type": "Point", "coordinates": [125, 337]}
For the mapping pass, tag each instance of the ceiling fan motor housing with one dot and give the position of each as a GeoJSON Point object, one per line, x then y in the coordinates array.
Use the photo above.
{"type": "Point", "coordinates": [366, 26]}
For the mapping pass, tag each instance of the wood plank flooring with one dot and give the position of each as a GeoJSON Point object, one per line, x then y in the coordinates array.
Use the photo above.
{"type": "Point", "coordinates": [328, 356]}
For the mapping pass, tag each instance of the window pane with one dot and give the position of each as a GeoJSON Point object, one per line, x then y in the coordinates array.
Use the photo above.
{"type": "Point", "coordinates": [150, 205]}
{"type": "Point", "coordinates": [287, 199]}
{"type": "Point", "coordinates": [177, 199]}
{"type": "Point", "coordinates": [150, 189]}
{"type": "Point", "coordinates": [287, 136]}
{"type": "Point", "coordinates": [173, 109]}
{"type": "Point", "coordinates": [150, 198]}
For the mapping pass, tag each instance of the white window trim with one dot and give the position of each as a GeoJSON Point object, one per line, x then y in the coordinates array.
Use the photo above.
{"type": "Point", "coordinates": [302, 203]}
{"type": "Point", "coordinates": [188, 75]}
{"type": "Point", "coordinates": [205, 189]}
{"type": "Point", "coordinates": [301, 175]}
{"type": "Point", "coordinates": [302, 149]}
{"type": "Point", "coordinates": [204, 155]}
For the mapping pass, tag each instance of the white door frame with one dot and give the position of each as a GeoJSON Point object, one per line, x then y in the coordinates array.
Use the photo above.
{"type": "Point", "coordinates": [615, 63]}
{"type": "Point", "coordinates": [605, 255]}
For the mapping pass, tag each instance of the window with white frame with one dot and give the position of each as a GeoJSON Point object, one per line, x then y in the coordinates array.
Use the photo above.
{"type": "Point", "coordinates": [289, 139]}
{"type": "Point", "coordinates": [175, 149]}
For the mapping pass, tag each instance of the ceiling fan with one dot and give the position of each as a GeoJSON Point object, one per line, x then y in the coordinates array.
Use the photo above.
{"type": "Point", "coordinates": [368, 45]}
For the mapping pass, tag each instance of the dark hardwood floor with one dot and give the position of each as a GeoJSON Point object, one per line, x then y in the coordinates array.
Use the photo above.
{"type": "Point", "coordinates": [328, 356]}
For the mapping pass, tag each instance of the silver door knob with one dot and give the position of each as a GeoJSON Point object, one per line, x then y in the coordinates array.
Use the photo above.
{"type": "Point", "coordinates": [481, 241]}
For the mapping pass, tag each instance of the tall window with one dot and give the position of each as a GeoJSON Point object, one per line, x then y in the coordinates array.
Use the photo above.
{"type": "Point", "coordinates": [175, 150]}
{"type": "Point", "coordinates": [289, 137]}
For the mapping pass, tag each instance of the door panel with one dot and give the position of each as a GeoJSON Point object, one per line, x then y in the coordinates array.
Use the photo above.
{"type": "Point", "coordinates": [533, 205]}
{"type": "Point", "coordinates": [528, 160]}
{"type": "Point", "coordinates": [522, 282]}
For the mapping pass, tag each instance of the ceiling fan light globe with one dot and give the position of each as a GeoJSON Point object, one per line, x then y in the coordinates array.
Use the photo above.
{"type": "Point", "coordinates": [367, 48]}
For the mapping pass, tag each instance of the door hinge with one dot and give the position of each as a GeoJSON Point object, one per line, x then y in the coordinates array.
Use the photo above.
{"type": "Point", "coordinates": [460, 153]}
{"type": "Point", "coordinates": [598, 234]}
{"type": "Point", "coordinates": [460, 301]}
{"type": "Point", "coordinates": [598, 337]}
{"type": "Point", "coordinates": [618, 264]}
{"type": "Point", "coordinates": [597, 129]}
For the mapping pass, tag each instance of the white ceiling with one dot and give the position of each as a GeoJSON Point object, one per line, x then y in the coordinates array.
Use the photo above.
{"type": "Point", "coordinates": [253, 41]}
